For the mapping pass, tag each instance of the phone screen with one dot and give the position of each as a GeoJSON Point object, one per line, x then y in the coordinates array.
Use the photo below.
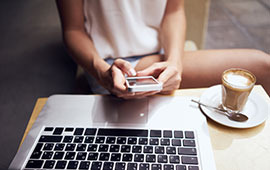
{"type": "Point", "coordinates": [141, 81]}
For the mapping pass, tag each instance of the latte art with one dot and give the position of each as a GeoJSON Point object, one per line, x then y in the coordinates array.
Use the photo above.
{"type": "Point", "coordinates": [238, 79]}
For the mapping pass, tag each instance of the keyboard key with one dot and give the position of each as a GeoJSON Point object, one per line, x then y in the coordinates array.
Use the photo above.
{"type": "Point", "coordinates": [123, 132]}
{"type": "Point", "coordinates": [168, 167]}
{"type": "Point", "coordinates": [143, 141]}
{"type": "Point", "coordinates": [156, 167]}
{"type": "Point", "coordinates": [89, 139]}
{"type": "Point", "coordinates": [121, 140]}
{"type": "Point", "coordinates": [176, 142]}
{"type": "Point", "coordinates": [193, 168]}
{"type": "Point", "coordinates": [96, 165]}
{"type": "Point", "coordinates": [150, 158]}
{"type": "Point", "coordinates": [84, 165]}
{"type": "Point", "coordinates": [70, 147]}
{"type": "Point", "coordinates": [165, 142]}
{"type": "Point", "coordinates": [104, 156]}
{"type": "Point", "coordinates": [189, 134]}
{"type": "Point", "coordinates": [103, 148]}
{"type": "Point", "coordinates": [120, 166]}
{"type": "Point", "coordinates": [132, 141]}
{"type": "Point", "coordinates": [92, 147]}
{"type": "Point", "coordinates": [78, 131]}
{"type": "Point", "coordinates": [148, 149]}
{"type": "Point", "coordinates": [78, 139]}
{"type": "Point", "coordinates": [48, 129]}
{"type": "Point", "coordinates": [125, 148]}
{"type": "Point", "coordinates": [81, 147]}
{"type": "Point", "coordinates": [115, 157]}
{"type": "Point", "coordinates": [189, 160]}
{"type": "Point", "coordinates": [154, 141]}
{"type": "Point", "coordinates": [189, 143]}
{"type": "Point", "coordinates": [92, 156]}
{"type": "Point", "coordinates": [136, 149]}
{"type": "Point", "coordinates": [162, 158]}
{"type": "Point", "coordinates": [170, 150]}
{"type": "Point", "coordinates": [58, 131]}
{"type": "Point", "coordinates": [34, 164]}
{"type": "Point", "coordinates": [108, 165]}
{"type": "Point", "coordinates": [58, 155]}
{"type": "Point", "coordinates": [72, 165]}
{"type": "Point", "coordinates": [68, 129]}
{"type": "Point", "coordinates": [110, 140]}
{"type": "Point", "coordinates": [187, 151]}
{"type": "Point", "coordinates": [46, 138]}
{"type": "Point", "coordinates": [59, 147]}
{"type": "Point", "coordinates": [81, 156]}
{"type": "Point", "coordinates": [178, 134]}
{"type": "Point", "coordinates": [174, 159]}
{"type": "Point", "coordinates": [127, 157]}
{"type": "Point", "coordinates": [144, 166]}
{"type": "Point", "coordinates": [48, 146]}
{"type": "Point", "coordinates": [68, 139]}
{"type": "Point", "coordinates": [167, 134]}
{"type": "Point", "coordinates": [90, 131]}
{"type": "Point", "coordinates": [49, 164]}
{"type": "Point", "coordinates": [36, 155]}
{"type": "Point", "coordinates": [70, 155]}
{"type": "Point", "coordinates": [47, 155]}
{"type": "Point", "coordinates": [139, 157]}
{"type": "Point", "coordinates": [155, 133]}
{"type": "Point", "coordinates": [159, 149]}
{"type": "Point", "coordinates": [38, 147]}
{"type": "Point", "coordinates": [61, 164]}
{"type": "Point", "coordinates": [100, 139]}
{"type": "Point", "coordinates": [132, 166]}
{"type": "Point", "coordinates": [181, 167]}
{"type": "Point", "coordinates": [114, 148]}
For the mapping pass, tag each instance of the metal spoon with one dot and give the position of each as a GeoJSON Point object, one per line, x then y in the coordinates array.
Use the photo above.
{"type": "Point", "coordinates": [236, 116]}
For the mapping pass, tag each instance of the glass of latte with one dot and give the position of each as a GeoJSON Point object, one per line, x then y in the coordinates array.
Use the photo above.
{"type": "Point", "coordinates": [237, 84]}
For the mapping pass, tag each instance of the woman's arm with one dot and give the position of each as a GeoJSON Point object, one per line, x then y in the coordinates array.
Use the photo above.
{"type": "Point", "coordinates": [78, 43]}
{"type": "Point", "coordinates": [172, 33]}
{"type": "Point", "coordinates": [82, 49]}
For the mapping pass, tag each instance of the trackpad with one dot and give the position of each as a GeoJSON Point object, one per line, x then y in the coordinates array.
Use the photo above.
{"type": "Point", "coordinates": [109, 109]}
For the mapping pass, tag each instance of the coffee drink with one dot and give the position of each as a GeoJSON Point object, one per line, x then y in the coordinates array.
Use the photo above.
{"type": "Point", "coordinates": [236, 86]}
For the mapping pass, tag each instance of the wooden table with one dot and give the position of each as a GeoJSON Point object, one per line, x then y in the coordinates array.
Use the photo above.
{"type": "Point", "coordinates": [234, 149]}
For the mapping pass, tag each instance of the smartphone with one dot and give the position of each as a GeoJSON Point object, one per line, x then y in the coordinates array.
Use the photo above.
{"type": "Point", "coordinates": [143, 84]}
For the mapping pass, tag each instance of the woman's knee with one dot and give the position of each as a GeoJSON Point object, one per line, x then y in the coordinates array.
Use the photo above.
{"type": "Point", "coordinates": [263, 59]}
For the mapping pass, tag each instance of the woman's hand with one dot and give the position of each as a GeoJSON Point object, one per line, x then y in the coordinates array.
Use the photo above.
{"type": "Point", "coordinates": [114, 78]}
{"type": "Point", "coordinates": [166, 72]}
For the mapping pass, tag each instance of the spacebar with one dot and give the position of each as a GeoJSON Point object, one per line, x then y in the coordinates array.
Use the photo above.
{"type": "Point", "coordinates": [123, 132]}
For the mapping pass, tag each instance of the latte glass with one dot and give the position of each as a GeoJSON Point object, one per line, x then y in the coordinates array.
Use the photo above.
{"type": "Point", "coordinates": [237, 84]}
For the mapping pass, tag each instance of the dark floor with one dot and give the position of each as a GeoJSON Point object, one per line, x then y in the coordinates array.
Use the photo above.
{"type": "Point", "coordinates": [239, 24]}
{"type": "Point", "coordinates": [34, 64]}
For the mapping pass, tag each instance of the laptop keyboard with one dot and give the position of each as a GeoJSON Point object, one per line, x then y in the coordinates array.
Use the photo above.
{"type": "Point", "coordinates": [114, 149]}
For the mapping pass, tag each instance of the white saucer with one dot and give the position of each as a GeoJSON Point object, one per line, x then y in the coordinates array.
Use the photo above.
{"type": "Point", "coordinates": [256, 109]}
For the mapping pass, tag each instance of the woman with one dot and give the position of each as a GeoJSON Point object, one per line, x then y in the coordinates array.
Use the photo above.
{"type": "Point", "coordinates": [110, 38]}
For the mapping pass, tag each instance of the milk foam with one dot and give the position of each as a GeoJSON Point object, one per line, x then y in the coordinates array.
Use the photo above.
{"type": "Point", "coordinates": [240, 81]}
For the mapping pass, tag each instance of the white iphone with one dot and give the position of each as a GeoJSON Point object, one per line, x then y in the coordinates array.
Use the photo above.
{"type": "Point", "coordinates": [143, 84]}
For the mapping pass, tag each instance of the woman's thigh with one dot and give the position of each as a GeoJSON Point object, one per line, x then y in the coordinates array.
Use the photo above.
{"type": "Point", "coordinates": [203, 68]}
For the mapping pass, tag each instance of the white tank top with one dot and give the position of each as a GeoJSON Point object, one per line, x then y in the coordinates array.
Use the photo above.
{"type": "Point", "coordinates": [122, 28]}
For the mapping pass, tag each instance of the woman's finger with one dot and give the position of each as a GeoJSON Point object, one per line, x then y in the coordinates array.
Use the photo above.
{"type": "Point", "coordinates": [125, 66]}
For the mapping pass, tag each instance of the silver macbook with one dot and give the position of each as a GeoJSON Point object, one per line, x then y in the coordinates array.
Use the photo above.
{"type": "Point", "coordinates": [103, 132]}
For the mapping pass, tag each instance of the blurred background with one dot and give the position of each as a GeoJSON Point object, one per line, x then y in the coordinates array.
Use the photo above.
{"type": "Point", "coordinates": [34, 63]}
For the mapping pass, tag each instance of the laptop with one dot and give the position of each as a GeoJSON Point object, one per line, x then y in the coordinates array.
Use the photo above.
{"type": "Point", "coordinates": [105, 132]}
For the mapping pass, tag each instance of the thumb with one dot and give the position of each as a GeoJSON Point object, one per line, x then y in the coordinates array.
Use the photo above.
{"type": "Point", "coordinates": [125, 67]}
{"type": "Point", "coordinates": [153, 70]}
